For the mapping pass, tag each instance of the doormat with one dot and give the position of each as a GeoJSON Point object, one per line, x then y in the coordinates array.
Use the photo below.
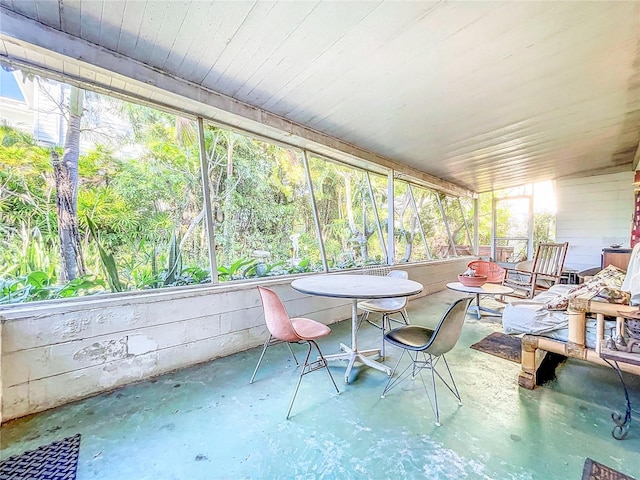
{"type": "Point", "coordinates": [55, 461]}
{"type": "Point", "coordinates": [501, 345]}
{"type": "Point", "coordinates": [596, 471]}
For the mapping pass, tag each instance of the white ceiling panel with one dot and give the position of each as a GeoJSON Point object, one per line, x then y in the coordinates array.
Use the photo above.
{"type": "Point", "coordinates": [480, 94]}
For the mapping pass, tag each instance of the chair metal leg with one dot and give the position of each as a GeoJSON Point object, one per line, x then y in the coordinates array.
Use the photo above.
{"type": "Point", "coordinates": [453, 387]}
{"type": "Point", "coordinates": [414, 369]}
{"type": "Point", "coordinates": [394, 381]}
{"type": "Point", "coordinates": [326, 365]}
{"type": "Point", "coordinates": [302, 371]}
{"type": "Point", "coordinates": [269, 342]}
{"type": "Point", "coordinates": [385, 323]}
{"type": "Point", "coordinates": [403, 313]}
{"type": "Point", "coordinates": [405, 316]}
{"type": "Point", "coordinates": [436, 410]}
{"type": "Point", "coordinates": [307, 367]}
{"type": "Point", "coordinates": [365, 317]}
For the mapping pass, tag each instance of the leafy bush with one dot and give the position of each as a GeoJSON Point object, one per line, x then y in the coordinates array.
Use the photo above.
{"type": "Point", "coordinates": [40, 286]}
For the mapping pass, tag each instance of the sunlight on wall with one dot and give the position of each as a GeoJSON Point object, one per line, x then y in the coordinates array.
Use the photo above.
{"type": "Point", "coordinates": [544, 197]}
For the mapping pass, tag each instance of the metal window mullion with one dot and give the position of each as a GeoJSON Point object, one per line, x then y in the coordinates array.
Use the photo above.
{"type": "Point", "coordinates": [391, 219]}
{"type": "Point", "coordinates": [476, 221]}
{"type": "Point", "coordinates": [415, 211]}
{"type": "Point", "coordinates": [446, 225]}
{"type": "Point", "coordinates": [375, 212]}
{"type": "Point", "coordinates": [206, 193]}
{"type": "Point", "coordinates": [530, 232]}
{"type": "Point", "coordinates": [464, 220]}
{"type": "Point", "coordinates": [316, 218]}
{"type": "Point", "coordinates": [494, 226]}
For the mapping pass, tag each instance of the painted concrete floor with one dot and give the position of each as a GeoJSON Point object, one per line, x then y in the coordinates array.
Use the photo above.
{"type": "Point", "coordinates": [208, 422]}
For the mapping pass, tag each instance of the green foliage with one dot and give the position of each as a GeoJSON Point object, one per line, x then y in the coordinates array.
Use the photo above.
{"type": "Point", "coordinates": [108, 262]}
{"type": "Point", "coordinates": [250, 268]}
{"type": "Point", "coordinates": [303, 266]}
{"type": "Point", "coordinates": [40, 286]}
{"type": "Point", "coordinates": [25, 187]}
{"type": "Point", "coordinates": [140, 207]}
{"type": "Point", "coordinates": [544, 226]}
{"type": "Point", "coordinates": [236, 270]}
{"type": "Point", "coordinates": [262, 269]}
{"type": "Point", "coordinates": [174, 265]}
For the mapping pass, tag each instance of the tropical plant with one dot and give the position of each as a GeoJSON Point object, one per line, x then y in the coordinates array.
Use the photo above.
{"type": "Point", "coordinates": [108, 262]}
{"type": "Point", "coordinates": [40, 286]}
{"type": "Point", "coordinates": [236, 270]}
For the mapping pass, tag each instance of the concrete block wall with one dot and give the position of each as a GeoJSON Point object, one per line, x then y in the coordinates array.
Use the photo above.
{"type": "Point", "coordinates": [52, 353]}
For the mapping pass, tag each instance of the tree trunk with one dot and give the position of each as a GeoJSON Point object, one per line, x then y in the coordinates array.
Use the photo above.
{"type": "Point", "coordinates": [66, 178]}
{"type": "Point", "coordinates": [410, 236]}
{"type": "Point", "coordinates": [227, 229]}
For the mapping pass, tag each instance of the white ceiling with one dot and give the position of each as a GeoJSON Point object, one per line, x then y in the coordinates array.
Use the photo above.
{"type": "Point", "coordinates": [481, 94]}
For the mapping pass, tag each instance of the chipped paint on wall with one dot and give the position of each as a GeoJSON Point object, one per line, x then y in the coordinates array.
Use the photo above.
{"type": "Point", "coordinates": [102, 351]}
{"type": "Point", "coordinates": [72, 327]}
{"type": "Point", "coordinates": [139, 344]}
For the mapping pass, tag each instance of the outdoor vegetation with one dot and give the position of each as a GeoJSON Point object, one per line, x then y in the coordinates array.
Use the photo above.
{"type": "Point", "coordinates": [116, 203]}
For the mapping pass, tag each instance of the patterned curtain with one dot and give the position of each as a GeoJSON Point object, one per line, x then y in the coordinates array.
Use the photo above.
{"type": "Point", "coordinates": [635, 228]}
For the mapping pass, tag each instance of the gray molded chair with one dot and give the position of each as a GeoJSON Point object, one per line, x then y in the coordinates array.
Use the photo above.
{"type": "Point", "coordinates": [426, 348]}
{"type": "Point", "coordinates": [387, 307]}
{"type": "Point", "coordinates": [294, 330]}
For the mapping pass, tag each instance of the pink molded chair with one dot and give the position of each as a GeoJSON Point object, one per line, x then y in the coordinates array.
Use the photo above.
{"type": "Point", "coordinates": [494, 272]}
{"type": "Point", "coordinates": [294, 330]}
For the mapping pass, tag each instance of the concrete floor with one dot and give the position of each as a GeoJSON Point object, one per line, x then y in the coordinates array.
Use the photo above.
{"type": "Point", "coordinates": [207, 422]}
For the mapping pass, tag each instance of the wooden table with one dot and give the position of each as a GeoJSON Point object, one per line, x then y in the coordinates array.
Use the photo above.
{"type": "Point", "coordinates": [486, 289]}
{"type": "Point", "coordinates": [356, 287]}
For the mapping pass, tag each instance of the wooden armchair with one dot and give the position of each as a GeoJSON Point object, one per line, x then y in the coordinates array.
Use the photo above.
{"type": "Point", "coordinates": [546, 270]}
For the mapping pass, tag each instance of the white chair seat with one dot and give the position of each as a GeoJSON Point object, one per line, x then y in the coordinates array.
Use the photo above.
{"type": "Point", "coordinates": [387, 307]}
{"type": "Point", "coordinates": [383, 305]}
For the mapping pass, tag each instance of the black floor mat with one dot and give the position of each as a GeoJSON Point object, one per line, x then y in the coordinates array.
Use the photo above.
{"type": "Point", "coordinates": [57, 460]}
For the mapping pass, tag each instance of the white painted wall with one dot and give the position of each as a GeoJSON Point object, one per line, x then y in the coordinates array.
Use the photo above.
{"type": "Point", "coordinates": [48, 126]}
{"type": "Point", "coordinates": [52, 353]}
{"type": "Point", "coordinates": [593, 212]}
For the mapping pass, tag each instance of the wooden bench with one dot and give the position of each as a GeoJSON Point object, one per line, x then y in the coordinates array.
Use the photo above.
{"type": "Point", "coordinates": [535, 347]}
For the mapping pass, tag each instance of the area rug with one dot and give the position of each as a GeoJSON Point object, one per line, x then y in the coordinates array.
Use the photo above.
{"type": "Point", "coordinates": [501, 345]}
{"type": "Point", "coordinates": [55, 461]}
{"type": "Point", "coordinates": [596, 471]}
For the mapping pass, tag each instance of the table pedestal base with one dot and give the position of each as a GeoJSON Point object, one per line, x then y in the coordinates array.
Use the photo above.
{"type": "Point", "coordinates": [478, 310]}
{"type": "Point", "coordinates": [488, 289]}
{"type": "Point", "coordinates": [362, 356]}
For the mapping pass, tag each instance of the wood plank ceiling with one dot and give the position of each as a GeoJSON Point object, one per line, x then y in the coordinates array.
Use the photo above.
{"type": "Point", "coordinates": [484, 95]}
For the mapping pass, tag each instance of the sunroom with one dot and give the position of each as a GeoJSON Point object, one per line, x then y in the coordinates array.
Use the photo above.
{"type": "Point", "coordinates": [226, 145]}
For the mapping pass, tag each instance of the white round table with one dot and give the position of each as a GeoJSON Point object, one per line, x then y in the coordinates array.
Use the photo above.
{"type": "Point", "coordinates": [356, 287]}
{"type": "Point", "coordinates": [486, 289]}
